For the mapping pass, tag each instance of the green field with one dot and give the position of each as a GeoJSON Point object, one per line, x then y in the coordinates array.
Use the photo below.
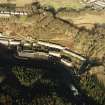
{"type": "Point", "coordinates": [75, 4]}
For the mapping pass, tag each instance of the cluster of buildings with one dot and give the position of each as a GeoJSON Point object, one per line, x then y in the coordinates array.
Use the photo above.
{"type": "Point", "coordinates": [18, 11]}
{"type": "Point", "coordinates": [54, 52]}
{"type": "Point", "coordinates": [17, 7]}
{"type": "Point", "coordinates": [96, 4]}
{"type": "Point", "coordinates": [12, 13]}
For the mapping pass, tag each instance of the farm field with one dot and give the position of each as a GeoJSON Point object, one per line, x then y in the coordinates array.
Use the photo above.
{"type": "Point", "coordinates": [86, 18]}
{"type": "Point", "coordinates": [64, 3]}
{"type": "Point", "coordinates": [54, 3]}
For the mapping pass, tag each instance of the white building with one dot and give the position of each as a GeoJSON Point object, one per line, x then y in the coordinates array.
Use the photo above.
{"type": "Point", "coordinates": [51, 45]}
{"type": "Point", "coordinates": [67, 63]}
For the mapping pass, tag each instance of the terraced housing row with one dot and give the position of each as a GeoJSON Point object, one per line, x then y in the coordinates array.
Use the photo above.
{"type": "Point", "coordinates": [31, 50]}
{"type": "Point", "coordinates": [12, 10]}
{"type": "Point", "coordinates": [17, 12]}
{"type": "Point", "coordinates": [96, 4]}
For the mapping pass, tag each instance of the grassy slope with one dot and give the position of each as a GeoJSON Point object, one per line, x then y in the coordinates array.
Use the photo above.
{"type": "Point", "coordinates": [85, 17]}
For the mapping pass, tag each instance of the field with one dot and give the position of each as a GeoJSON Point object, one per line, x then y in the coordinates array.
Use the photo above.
{"type": "Point", "coordinates": [55, 3]}
{"type": "Point", "coordinates": [86, 18]}
{"type": "Point", "coordinates": [23, 2]}
{"type": "Point", "coordinates": [62, 3]}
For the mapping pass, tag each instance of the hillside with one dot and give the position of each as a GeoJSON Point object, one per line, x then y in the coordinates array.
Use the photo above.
{"type": "Point", "coordinates": [82, 30]}
{"type": "Point", "coordinates": [86, 17]}
{"type": "Point", "coordinates": [44, 25]}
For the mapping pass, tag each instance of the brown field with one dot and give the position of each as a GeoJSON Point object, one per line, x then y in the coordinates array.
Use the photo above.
{"type": "Point", "coordinates": [86, 18]}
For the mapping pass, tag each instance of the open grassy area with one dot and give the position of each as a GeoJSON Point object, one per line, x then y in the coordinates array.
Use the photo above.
{"type": "Point", "coordinates": [75, 4]}
{"type": "Point", "coordinates": [55, 3]}
{"type": "Point", "coordinates": [23, 18]}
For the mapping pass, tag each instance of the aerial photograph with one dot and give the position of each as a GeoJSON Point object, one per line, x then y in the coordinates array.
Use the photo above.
{"type": "Point", "coordinates": [52, 52]}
